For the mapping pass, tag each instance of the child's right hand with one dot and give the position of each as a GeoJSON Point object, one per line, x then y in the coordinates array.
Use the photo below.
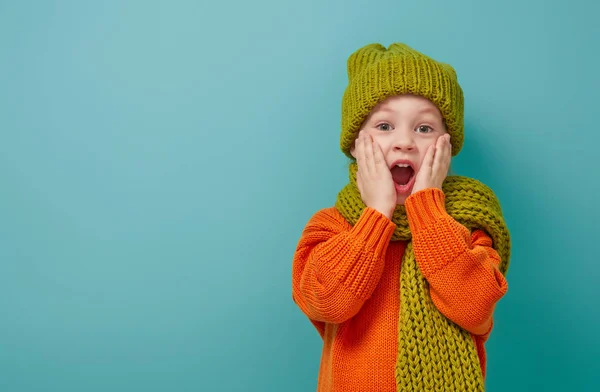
{"type": "Point", "coordinates": [373, 177]}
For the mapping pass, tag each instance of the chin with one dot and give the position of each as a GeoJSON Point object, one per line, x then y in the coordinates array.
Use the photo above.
{"type": "Point", "coordinates": [400, 200]}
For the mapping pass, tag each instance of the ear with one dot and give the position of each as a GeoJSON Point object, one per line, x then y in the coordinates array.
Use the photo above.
{"type": "Point", "coordinates": [353, 149]}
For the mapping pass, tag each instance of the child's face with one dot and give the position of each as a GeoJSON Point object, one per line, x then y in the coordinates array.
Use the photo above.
{"type": "Point", "coordinates": [404, 126]}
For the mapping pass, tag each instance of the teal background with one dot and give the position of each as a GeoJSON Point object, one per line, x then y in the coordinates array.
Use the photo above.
{"type": "Point", "coordinates": [159, 160]}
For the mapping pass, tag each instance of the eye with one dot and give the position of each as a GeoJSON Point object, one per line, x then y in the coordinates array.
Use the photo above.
{"type": "Point", "coordinates": [384, 127]}
{"type": "Point", "coordinates": [424, 129]}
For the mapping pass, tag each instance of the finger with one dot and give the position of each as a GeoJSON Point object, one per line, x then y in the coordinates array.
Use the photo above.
{"type": "Point", "coordinates": [442, 154]}
{"type": "Point", "coordinates": [439, 143]}
{"type": "Point", "coordinates": [428, 160]}
{"type": "Point", "coordinates": [378, 156]}
{"type": "Point", "coordinates": [448, 152]}
{"type": "Point", "coordinates": [369, 160]}
{"type": "Point", "coordinates": [360, 151]}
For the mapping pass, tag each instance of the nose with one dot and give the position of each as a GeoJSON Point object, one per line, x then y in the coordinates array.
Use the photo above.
{"type": "Point", "coordinates": [404, 141]}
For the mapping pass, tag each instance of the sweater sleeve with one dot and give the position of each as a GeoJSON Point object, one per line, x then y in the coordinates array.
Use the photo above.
{"type": "Point", "coordinates": [337, 266]}
{"type": "Point", "coordinates": [460, 267]}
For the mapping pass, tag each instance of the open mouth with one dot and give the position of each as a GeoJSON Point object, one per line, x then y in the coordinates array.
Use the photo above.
{"type": "Point", "coordinates": [402, 174]}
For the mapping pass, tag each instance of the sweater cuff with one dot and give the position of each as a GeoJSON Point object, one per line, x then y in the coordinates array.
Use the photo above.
{"type": "Point", "coordinates": [375, 229]}
{"type": "Point", "coordinates": [425, 207]}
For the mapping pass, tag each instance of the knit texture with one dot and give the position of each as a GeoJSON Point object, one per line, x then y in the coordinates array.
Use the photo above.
{"type": "Point", "coordinates": [435, 353]}
{"type": "Point", "coordinates": [346, 280]}
{"type": "Point", "coordinates": [376, 73]}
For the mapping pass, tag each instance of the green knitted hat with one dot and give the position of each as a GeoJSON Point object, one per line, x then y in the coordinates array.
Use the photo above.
{"type": "Point", "coordinates": [376, 73]}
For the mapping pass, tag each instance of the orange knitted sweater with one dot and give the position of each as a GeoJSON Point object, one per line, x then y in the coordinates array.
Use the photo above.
{"type": "Point", "coordinates": [346, 280]}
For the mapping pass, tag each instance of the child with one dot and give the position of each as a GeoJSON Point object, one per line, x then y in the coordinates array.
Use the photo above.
{"type": "Point", "coordinates": [402, 276]}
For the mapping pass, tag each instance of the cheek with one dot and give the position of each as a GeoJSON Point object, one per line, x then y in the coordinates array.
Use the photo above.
{"type": "Point", "coordinates": [426, 143]}
{"type": "Point", "coordinates": [381, 140]}
{"type": "Point", "coordinates": [422, 146]}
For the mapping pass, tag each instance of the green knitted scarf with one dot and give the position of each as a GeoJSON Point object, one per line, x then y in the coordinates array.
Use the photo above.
{"type": "Point", "coordinates": [434, 353]}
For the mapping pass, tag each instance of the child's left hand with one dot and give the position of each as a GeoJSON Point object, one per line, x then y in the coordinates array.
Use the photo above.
{"type": "Point", "coordinates": [434, 167]}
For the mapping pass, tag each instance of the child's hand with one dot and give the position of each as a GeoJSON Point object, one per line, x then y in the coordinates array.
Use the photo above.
{"type": "Point", "coordinates": [434, 167]}
{"type": "Point", "coordinates": [373, 177]}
